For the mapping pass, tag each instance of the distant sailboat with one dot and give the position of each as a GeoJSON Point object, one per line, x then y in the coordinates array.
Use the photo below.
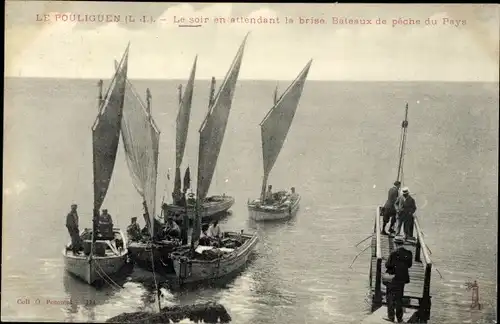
{"type": "Point", "coordinates": [274, 129]}
{"type": "Point", "coordinates": [190, 263]}
{"type": "Point", "coordinates": [212, 206]}
{"type": "Point", "coordinates": [103, 256]}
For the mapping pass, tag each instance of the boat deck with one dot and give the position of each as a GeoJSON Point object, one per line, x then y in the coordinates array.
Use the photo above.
{"type": "Point", "coordinates": [417, 292]}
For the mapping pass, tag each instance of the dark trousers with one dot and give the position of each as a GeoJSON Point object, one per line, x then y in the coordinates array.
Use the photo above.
{"type": "Point", "coordinates": [75, 239]}
{"type": "Point", "coordinates": [408, 225]}
{"type": "Point", "coordinates": [395, 293]}
{"type": "Point", "coordinates": [389, 215]}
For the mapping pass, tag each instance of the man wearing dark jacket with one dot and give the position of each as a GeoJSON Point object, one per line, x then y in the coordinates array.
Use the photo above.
{"type": "Point", "coordinates": [72, 226]}
{"type": "Point", "coordinates": [400, 260]}
{"type": "Point", "coordinates": [390, 208]}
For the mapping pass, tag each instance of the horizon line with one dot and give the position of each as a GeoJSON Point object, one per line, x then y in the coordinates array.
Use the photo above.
{"type": "Point", "coordinates": [247, 79]}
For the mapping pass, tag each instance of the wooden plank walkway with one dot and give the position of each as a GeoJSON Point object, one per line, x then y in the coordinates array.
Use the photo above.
{"type": "Point", "coordinates": [379, 316]}
{"type": "Point", "coordinates": [414, 289]}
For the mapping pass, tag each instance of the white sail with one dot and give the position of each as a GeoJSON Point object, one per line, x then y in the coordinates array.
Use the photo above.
{"type": "Point", "coordinates": [277, 122]}
{"type": "Point", "coordinates": [141, 140]}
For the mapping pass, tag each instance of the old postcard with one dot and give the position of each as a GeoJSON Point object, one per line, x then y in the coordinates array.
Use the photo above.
{"type": "Point", "coordinates": [250, 163]}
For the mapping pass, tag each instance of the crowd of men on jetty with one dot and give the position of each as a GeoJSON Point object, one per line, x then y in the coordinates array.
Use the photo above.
{"type": "Point", "coordinates": [398, 211]}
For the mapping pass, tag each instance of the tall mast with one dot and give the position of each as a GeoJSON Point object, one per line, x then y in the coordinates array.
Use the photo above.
{"type": "Point", "coordinates": [148, 101]}
{"type": "Point", "coordinates": [99, 102]}
{"type": "Point", "coordinates": [212, 93]}
{"type": "Point", "coordinates": [402, 145]}
{"type": "Point", "coordinates": [179, 87]}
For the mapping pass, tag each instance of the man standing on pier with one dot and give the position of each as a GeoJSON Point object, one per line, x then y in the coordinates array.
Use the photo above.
{"type": "Point", "coordinates": [390, 208]}
{"type": "Point", "coordinates": [406, 209]}
{"type": "Point", "coordinates": [400, 260]}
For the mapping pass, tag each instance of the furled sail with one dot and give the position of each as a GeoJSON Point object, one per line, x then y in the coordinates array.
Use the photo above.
{"type": "Point", "coordinates": [141, 138]}
{"type": "Point", "coordinates": [212, 134]}
{"type": "Point", "coordinates": [106, 133]}
{"type": "Point", "coordinates": [187, 179]}
{"type": "Point", "coordinates": [182, 127]}
{"type": "Point", "coordinates": [275, 126]}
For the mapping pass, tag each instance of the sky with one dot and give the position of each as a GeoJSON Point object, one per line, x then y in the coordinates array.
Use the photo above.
{"type": "Point", "coordinates": [464, 51]}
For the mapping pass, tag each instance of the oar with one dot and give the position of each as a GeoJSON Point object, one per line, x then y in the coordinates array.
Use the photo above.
{"type": "Point", "coordinates": [371, 235]}
{"type": "Point", "coordinates": [366, 248]}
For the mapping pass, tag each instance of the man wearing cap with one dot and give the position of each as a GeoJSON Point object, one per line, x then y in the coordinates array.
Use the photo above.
{"type": "Point", "coordinates": [398, 263]}
{"type": "Point", "coordinates": [72, 226]}
{"type": "Point", "coordinates": [133, 230]}
{"type": "Point", "coordinates": [407, 208]}
{"type": "Point", "coordinates": [390, 208]}
{"type": "Point", "coordinates": [106, 225]}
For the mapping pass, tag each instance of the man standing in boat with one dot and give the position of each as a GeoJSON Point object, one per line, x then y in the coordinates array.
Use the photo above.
{"type": "Point", "coordinates": [390, 208]}
{"type": "Point", "coordinates": [72, 226]}
{"type": "Point", "coordinates": [106, 225]}
{"type": "Point", "coordinates": [134, 230]}
{"type": "Point", "coordinates": [397, 265]}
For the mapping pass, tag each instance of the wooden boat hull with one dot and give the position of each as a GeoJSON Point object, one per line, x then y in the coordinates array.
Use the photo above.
{"type": "Point", "coordinates": [209, 210]}
{"type": "Point", "coordinates": [97, 268]}
{"type": "Point", "coordinates": [189, 270]}
{"type": "Point", "coordinates": [259, 212]}
{"type": "Point", "coordinates": [140, 254]}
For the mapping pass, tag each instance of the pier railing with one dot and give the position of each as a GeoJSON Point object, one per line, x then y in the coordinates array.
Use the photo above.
{"type": "Point", "coordinates": [422, 250]}
{"type": "Point", "coordinates": [421, 255]}
{"type": "Point", "coordinates": [377, 296]}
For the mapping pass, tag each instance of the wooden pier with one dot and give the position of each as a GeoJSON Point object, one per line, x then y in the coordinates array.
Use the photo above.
{"type": "Point", "coordinates": [417, 293]}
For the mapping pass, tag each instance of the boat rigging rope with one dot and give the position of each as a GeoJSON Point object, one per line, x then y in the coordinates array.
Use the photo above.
{"type": "Point", "coordinates": [105, 277]}
{"type": "Point", "coordinates": [157, 290]}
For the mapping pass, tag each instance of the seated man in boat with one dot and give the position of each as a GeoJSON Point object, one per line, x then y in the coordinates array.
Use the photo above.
{"type": "Point", "coordinates": [172, 230]}
{"type": "Point", "coordinates": [214, 230]}
{"type": "Point", "coordinates": [191, 199]}
{"type": "Point", "coordinates": [106, 226]}
{"type": "Point", "coordinates": [293, 195]}
{"type": "Point", "coordinates": [268, 197]}
{"type": "Point", "coordinates": [204, 238]}
{"type": "Point", "coordinates": [133, 230]}
{"type": "Point", "coordinates": [72, 226]}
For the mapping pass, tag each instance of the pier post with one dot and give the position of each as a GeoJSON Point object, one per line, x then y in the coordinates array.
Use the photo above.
{"type": "Point", "coordinates": [418, 249]}
{"type": "Point", "coordinates": [377, 296]}
{"type": "Point", "coordinates": [425, 305]}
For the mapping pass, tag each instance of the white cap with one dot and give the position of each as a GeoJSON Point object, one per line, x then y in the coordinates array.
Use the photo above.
{"type": "Point", "coordinates": [405, 189]}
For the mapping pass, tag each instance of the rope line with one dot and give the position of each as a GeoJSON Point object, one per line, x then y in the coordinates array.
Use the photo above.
{"type": "Point", "coordinates": [154, 277]}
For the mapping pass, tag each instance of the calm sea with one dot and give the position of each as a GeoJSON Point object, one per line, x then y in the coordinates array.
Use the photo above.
{"type": "Point", "coordinates": [340, 154]}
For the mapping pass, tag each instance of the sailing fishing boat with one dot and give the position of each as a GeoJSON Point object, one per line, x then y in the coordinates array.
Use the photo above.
{"type": "Point", "coordinates": [196, 262]}
{"type": "Point", "coordinates": [274, 129]}
{"type": "Point", "coordinates": [141, 136]}
{"type": "Point", "coordinates": [103, 255]}
{"type": "Point", "coordinates": [213, 206]}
